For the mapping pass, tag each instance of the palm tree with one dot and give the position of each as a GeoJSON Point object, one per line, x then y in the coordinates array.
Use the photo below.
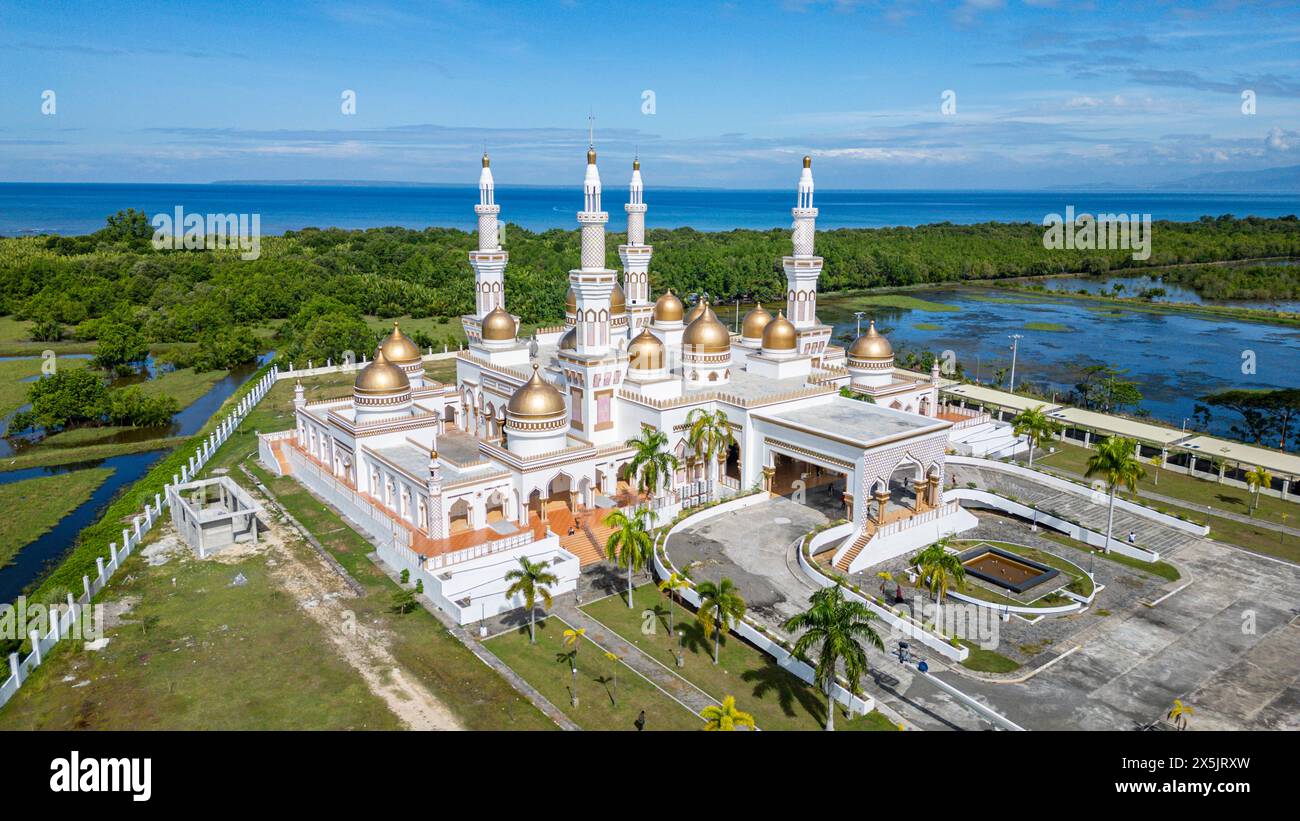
{"type": "Point", "coordinates": [709, 436]}
{"type": "Point", "coordinates": [1178, 714]}
{"type": "Point", "coordinates": [616, 659]}
{"type": "Point", "coordinates": [940, 570]}
{"type": "Point", "coordinates": [1036, 426]}
{"type": "Point", "coordinates": [726, 717]}
{"type": "Point", "coordinates": [531, 578]}
{"type": "Point", "coordinates": [671, 585]}
{"type": "Point", "coordinates": [1258, 479]}
{"type": "Point", "coordinates": [573, 638]}
{"type": "Point", "coordinates": [652, 463]}
{"type": "Point", "coordinates": [836, 627]}
{"type": "Point", "coordinates": [629, 543]}
{"type": "Point", "coordinates": [1115, 462]}
{"type": "Point", "coordinates": [720, 605]}
{"type": "Point", "coordinates": [885, 578]}
{"type": "Point", "coordinates": [1157, 460]}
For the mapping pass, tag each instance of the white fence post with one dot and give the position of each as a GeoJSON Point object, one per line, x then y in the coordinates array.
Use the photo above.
{"type": "Point", "coordinates": [35, 637]}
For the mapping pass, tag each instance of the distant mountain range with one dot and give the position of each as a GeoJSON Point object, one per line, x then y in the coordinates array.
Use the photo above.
{"type": "Point", "coordinates": [1285, 180]}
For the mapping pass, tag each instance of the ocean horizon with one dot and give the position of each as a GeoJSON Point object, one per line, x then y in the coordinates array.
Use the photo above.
{"type": "Point", "coordinates": [80, 208]}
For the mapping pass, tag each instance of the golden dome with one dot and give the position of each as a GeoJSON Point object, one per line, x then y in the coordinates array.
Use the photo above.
{"type": "Point", "coordinates": [571, 301]}
{"type": "Point", "coordinates": [871, 345]}
{"type": "Point", "coordinates": [399, 349]}
{"type": "Point", "coordinates": [779, 334]}
{"type": "Point", "coordinates": [569, 342]}
{"type": "Point", "coordinates": [636, 165]}
{"type": "Point", "coordinates": [535, 398]}
{"type": "Point", "coordinates": [754, 322]}
{"type": "Point", "coordinates": [706, 334]}
{"type": "Point", "coordinates": [668, 308]}
{"type": "Point", "coordinates": [381, 378]}
{"type": "Point", "coordinates": [645, 352]}
{"type": "Point", "coordinates": [486, 162]}
{"type": "Point", "coordinates": [498, 325]}
{"type": "Point", "coordinates": [807, 161]}
{"type": "Point", "coordinates": [591, 156]}
{"type": "Point", "coordinates": [697, 311]}
{"type": "Point", "coordinates": [617, 301]}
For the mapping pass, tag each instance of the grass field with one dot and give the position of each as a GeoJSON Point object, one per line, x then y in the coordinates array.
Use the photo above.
{"type": "Point", "coordinates": [43, 501]}
{"type": "Point", "coordinates": [13, 391]}
{"type": "Point", "coordinates": [199, 654]}
{"type": "Point", "coordinates": [546, 667]}
{"type": "Point", "coordinates": [776, 699]}
{"type": "Point", "coordinates": [183, 384]}
{"type": "Point", "coordinates": [987, 661]}
{"type": "Point", "coordinates": [1200, 494]}
{"type": "Point", "coordinates": [15, 340]}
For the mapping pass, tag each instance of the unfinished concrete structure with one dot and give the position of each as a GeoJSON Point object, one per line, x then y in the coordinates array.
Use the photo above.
{"type": "Point", "coordinates": [213, 513]}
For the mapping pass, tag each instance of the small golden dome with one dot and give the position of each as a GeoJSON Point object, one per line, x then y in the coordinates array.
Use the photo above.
{"type": "Point", "coordinates": [779, 334]}
{"type": "Point", "coordinates": [807, 161]}
{"type": "Point", "coordinates": [381, 378]}
{"type": "Point", "coordinates": [399, 349]}
{"type": "Point", "coordinates": [706, 334]}
{"type": "Point", "coordinates": [485, 160]}
{"type": "Point", "coordinates": [591, 156]}
{"type": "Point", "coordinates": [645, 352]}
{"type": "Point", "coordinates": [536, 398]}
{"type": "Point", "coordinates": [636, 165]}
{"type": "Point", "coordinates": [571, 301]}
{"type": "Point", "coordinates": [498, 325]}
{"type": "Point", "coordinates": [569, 342]}
{"type": "Point", "coordinates": [871, 345]}
{"type": "Point", "coordinates": [754, 322]}
{"type": "Point", "coordinates": [668, 308]}
{"type": "Point", "coordinates": [617, 301]}
{"type": "Point", "coordinates": [697, 311]}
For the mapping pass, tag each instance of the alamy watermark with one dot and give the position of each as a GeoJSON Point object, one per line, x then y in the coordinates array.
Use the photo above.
{"type": "Point", "coordinates": [19, 619]}
{"type": "Point", "coordinates": [1104, 231]}
{"type": "Point", "coordinates": [210, 232]}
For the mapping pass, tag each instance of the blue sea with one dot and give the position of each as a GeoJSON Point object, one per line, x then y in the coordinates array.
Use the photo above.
{"type": "Point", "coordinates": [79, 208]}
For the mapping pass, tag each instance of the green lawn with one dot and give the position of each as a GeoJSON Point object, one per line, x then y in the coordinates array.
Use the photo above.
{"type": "Point", "coordinates": [1083, 584]}
{"type": "Point", "coordinates": [1163, 569]}
{"type": "Point", "coordinates": [43, 501]}
{"type": "Point", "coordinates": [987, 661]}
{"type": "Point", "coordinates": [777, 699]}
{"type": "Point", "coordinates": [183, 384]}
{"type": "Point", "coordinates": [546, 666]}
{"type": "Point", "coordinates": [199, 654]}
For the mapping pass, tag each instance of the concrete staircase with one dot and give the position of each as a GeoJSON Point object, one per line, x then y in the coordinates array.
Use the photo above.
{"type": "Point", "coordinates": [857, 547]}
{"type": "Point", "coordinates": [587, 541]}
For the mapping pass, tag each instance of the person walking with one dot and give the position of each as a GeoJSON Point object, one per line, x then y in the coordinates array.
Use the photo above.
{"type": "Point", "coordinates": [640, 721]}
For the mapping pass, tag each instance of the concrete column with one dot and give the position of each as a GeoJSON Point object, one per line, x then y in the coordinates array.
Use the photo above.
{"type": "Point", "coordinates": [35, 637]}
{"type": "Point", "coordinates": [99, 564]}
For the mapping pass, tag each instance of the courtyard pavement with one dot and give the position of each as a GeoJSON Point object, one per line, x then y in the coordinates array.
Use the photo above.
{"type": "Point", "coordinates": [1226, 642]}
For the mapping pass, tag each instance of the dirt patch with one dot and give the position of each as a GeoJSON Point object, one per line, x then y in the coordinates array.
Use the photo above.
{"type": "Point", "coordinates": [168, 546]}
{"type": "Point", "coordinates": [116, 610]}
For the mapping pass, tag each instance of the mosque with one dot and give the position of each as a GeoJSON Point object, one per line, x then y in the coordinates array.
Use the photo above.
{"type": "Point", "coordinates": [528, 450]}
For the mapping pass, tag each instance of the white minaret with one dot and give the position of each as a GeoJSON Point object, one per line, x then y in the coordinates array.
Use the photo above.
{"type": "Point", "coordinates": [595, 364]}
{"type": "Point", "coordinates": [802, 269]}
{"type": "Point", "coordinates": [636, 254]}
{"type": "Point", "coordinates": [489, 261]}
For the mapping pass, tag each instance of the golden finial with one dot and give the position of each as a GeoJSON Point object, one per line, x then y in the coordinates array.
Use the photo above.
{"type": "Point", "coordinates": [486, 161]}
{"type": "Point", "coordinates": [636, 165]}
{"type": "Point", "coordinates": [591, 156]}
{"type": "Point", "coordinates": [807, 161]}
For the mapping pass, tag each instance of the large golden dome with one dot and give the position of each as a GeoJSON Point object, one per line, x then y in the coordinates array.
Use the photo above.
{"type": "Point", "coordinates": [668, 308]}
{"type": "Point", "coordinates": [706, 334]}
{"type": "Point", "coordinates": [645, 352]}
{"type": "Point", "coordinates": [536, 398]}
{"type": "Point", "coordinates": [381, 378]}
{"type": "Point", "coordinates": [754, 322]}
{"type": "Point", "coordinates": [697, 311]}
{"type": "Point", "coordinates": [617, 301]}
{"type": "Point", "coordinates": [399, 349]}
{"type": "Point", "coordinates": [871, 345]}
{"type": "Point", "coordinates": [498, 325]}
{"type": "Point", "coordinates": [779, 334]}
{"type": "Point", "coordinates": [569, 342]}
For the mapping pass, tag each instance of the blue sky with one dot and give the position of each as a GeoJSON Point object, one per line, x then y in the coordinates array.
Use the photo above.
{"type": "Point", "coordinates": [1047, 93]}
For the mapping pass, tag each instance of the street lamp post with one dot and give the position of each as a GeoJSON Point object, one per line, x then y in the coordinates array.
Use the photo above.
{"type": "Point", "coordinates": [1015, 344]}
{"type": "Point", "coordinates": [858, 315]}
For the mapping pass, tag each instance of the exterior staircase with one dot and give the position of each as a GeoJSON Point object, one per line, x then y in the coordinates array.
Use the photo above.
{"type": "Point", "coordinates": [588, 541]}
{"type": "Point", "coordinates": [854, 549]}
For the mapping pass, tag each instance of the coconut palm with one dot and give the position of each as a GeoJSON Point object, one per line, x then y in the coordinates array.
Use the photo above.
{"type": "Point", "coordinates": [885, 579]}
{"type": "Point", "coordinates": [530, 579]}
{"type": "Point", "coordinates": [837, 627]}
{"type": "Point", "coordinates": [1114, 461]}
{"type": "Point", "coordinates": [1258, 479]}
{"type": "Point", "coordinates": [709, 436]}
{"type": "Point", "coordinates": [573, 638]}
{"type": "Point", "coordinates": [616, 659]}
{"type": "Point", "coordinates": [1179, 713]}
{"type": "Point", "coordinates": [629, 543]}
{"type": "Point", "coordinates": [671, 585]}
{"type": "Point", "coordinates": [652, 463]}
{"type": "Point", "coordinates": [1157, 461]}
{"type": "Point", "coordinates": [1036, 426]}
{"type": "Point", "coordinates": [726, 717]}
{"type": "Point", "coordinates": [940, 570]}
{"type": "Point", "coordinates": [720, 606]}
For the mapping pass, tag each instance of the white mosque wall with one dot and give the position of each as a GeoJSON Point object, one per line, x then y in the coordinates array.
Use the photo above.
{"type": "Point", "coordinates": [914, 533]}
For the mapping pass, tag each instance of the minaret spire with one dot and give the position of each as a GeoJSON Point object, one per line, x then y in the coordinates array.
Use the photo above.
{"type": "Point", "coordinates": [636, 254]}
{"type": "Point", "coordinates": [803, 268]}
{"type": "Point", "coordinates": [489, 261]}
